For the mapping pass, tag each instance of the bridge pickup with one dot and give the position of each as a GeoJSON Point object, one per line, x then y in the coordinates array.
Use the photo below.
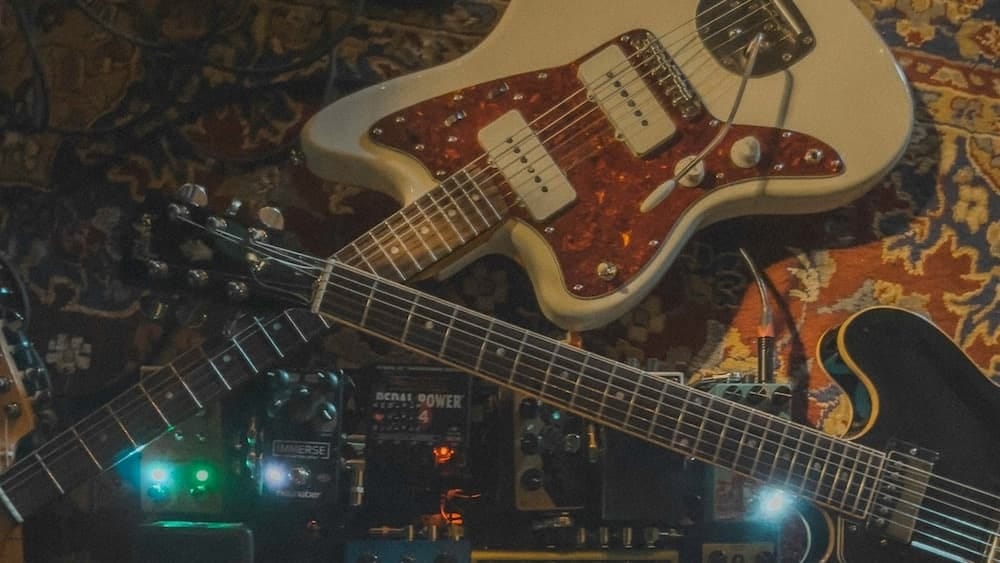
{"type": "Point", "coordinates": [526, 164]}
{"type": "Point", "coordinates": [900, 495]}
{"type": "Point", "coordinates": [615, 85]}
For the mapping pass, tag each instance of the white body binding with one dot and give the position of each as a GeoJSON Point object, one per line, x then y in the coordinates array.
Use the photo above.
{"type": "Point", "coordinates": [848, 92]}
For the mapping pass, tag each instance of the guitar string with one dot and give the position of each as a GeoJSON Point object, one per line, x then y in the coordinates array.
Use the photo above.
{"type": "Point", "coordinates": [478, 175]}
{"type": "Point", "coordinates": [820, 480]}
{"type": "Point", "coordinates": [833, 442]}
{"type": "Point", "coordinates": [7, 479]}
{"type": "Point", "coordinates": [664, 36]}
{"type": "Point", "coordinates": [461, 188]}
{"type": "Point", "coordinates": [304, 263]}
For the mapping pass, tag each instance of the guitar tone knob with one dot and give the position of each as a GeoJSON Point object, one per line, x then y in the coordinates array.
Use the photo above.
{"type": "Point", "coordinates": [745, 152]}
{"type": "Point", "coordinates": [13, 410]}
{"type": "Point", "coordinates": [5, 384]}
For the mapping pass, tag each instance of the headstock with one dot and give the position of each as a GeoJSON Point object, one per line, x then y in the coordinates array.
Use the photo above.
{"type": "Point", "coordinates": [236, 254]}
{"type": "Point", "coordinates": [24, 381]}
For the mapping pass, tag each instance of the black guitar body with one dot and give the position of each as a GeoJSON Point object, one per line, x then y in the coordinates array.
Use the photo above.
{"type": "Point", "coordinates": [926, 393]}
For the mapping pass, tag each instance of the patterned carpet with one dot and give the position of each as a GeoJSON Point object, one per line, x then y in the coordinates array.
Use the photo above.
{"type": "Point", "coordinates": [106, 105]}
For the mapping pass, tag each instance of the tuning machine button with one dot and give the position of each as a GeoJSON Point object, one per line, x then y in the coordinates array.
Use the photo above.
{"type": "Point", "coordinates": [532, 479]}
{"type": "Point", "coordinates": [193, 194]}
{"type": "Point", "coordinates": [157, 270]}
{"type": "Point", "coordinates": [745, 152]}
{"type": "Point", "coordinates": [237, 291]}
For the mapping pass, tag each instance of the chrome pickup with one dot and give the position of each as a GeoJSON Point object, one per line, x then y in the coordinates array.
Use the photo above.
{"type": "Point", "coordinates": [517, 152]}
{"type": "Point", "coordinates": [901, 491]}
{"type": "Point", "coordinates": [728, 27]}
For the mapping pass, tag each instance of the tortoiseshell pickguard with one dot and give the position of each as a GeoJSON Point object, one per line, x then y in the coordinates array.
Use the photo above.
{"type": "Point", "coordinates": [604, 223]}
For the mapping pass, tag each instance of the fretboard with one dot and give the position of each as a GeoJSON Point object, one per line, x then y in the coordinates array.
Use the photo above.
{"type": "Point", "coordinates": [436, 224]}
{"type": "Point", "coordinates": [150, 408]}
{"type": "Point", "coordinates": [839, 474]}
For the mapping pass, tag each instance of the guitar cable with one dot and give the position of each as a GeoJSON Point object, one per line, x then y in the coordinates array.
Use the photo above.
{"type": "Point", "coordinates": [765, 327]}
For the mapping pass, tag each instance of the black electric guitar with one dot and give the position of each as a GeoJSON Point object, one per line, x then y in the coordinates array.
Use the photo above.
{"type": "Point", "coordinates": [919, 483]}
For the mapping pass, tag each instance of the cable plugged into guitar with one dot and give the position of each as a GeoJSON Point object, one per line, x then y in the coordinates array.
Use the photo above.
{"type": "Point", "coordinates": [745, 153]}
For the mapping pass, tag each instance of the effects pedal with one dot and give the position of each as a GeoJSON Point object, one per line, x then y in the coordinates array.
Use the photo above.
{"type": "Point", "coordinates": [551, 457]}
{"type": "Point", "coordinates": [299, 437]}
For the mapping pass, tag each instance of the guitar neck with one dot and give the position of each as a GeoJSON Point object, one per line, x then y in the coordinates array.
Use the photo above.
{"type": "Point", "coordinates": [836, 473]}
{"type": "Point", "coordinates": [150, 408]}
{"type": "Point", "coordinates": [415, 238]}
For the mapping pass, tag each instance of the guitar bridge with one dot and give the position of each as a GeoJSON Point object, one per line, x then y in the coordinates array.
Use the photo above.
{"type": "Point", "coordinates": [900, 494]}
{"type": "Point", "coordinates": [723, 25]}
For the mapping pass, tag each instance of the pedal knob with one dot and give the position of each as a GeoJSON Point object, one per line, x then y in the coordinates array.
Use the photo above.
{"type": "Point", "coordinates": [532, 479]}
{"type": "Point", "coordinates": [745, 152]}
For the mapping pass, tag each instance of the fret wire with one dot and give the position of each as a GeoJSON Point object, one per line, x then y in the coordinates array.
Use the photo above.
{"type": "Point", "coordinates": [760, 448]}
{"type": "Point", "coordinates": [122, 426]}
{"type": "Point", "coordinates": [482, 348]}
{"type": "Point", "coordinates": [722, 432]}
{"type": "Point", "coordinates": [409, 319]}
{"type": "Point", "coordinates": [430, 221]}
{"type": "Point", "coordinates": [243, 353]}
{"type": "Point", "coordinates": [837, 478]}
{"type": "Point", "coordinates": [295, 326]}
{"type": "Point", "coordinates": [406, 247]}
{"type": "Point", "coordinates": [654, 424]}
{"type": "Point", "coordinates": [152, 402]}
{"type": "Point", "coordinates": [458, 207]}
{"type": "Point", "coordinates": [185, 385]}
{"type": "Point", "coordinates": [447, 217]}
{"type": "Point", "coordinates": [466, 194]}
{"type": "Point", "coordinates": [517, 355]}
{"type": "Point", "coordinates": [576, 384]}
{"type": "Point", "coordinates": [49, 473]}
{"type": "Point", "coordinates": [412, 228]}
{"type": "Point", "coordinates": [795, 455]}
{"type": "Point", "coordinates": [86, 448]}
{"type": "Point", "coordinates": [211, 364]}
{"type": "Point", "coordinates": [864, 477]}
{"type": "Point", "coordinates": [364, 259]}
{"type": "Point", "coordinates": [447, 334]}
{"type": "Point", "coordinates": [388, 258]}
{"type": "Point", "coordinates": [483, 195]}
{"type": "Point", "coordinates": [267, 335]}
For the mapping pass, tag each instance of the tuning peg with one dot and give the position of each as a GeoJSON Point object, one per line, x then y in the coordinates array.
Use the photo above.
{"type": "Point", "coordinates": [271, 217]}
{"type": "Point", "coordinates": [234, 207]}
{"type": "Point", "coordinates": [193, 194]}
{"type": "Point", "coordinates": [197, 278]}
{"type": "Point", "coordinates": [157, 270]}
{"type": "Point", "coordinates": [216, 224]}
{"type": "Point", "coordinates": [176, 211]}
{"type": "Point", "coordinates": [257, 235]}
{"type": "Point", "coordinates": [237, 290]}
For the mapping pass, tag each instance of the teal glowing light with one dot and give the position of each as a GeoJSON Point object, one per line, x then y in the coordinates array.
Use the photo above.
{"type": "Point", "coordinates": [201, 475]}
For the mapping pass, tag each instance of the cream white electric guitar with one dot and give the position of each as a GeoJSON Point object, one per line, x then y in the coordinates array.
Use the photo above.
{"type": "Point", "coordinates": [589, 139]}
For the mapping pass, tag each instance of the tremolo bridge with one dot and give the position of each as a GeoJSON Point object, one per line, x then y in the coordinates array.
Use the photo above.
{"type": "Point", "coordinates": [787, 37]}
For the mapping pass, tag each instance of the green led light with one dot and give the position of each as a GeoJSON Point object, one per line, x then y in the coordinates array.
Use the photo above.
{"type": "Point", "coordinates": [201, 475]}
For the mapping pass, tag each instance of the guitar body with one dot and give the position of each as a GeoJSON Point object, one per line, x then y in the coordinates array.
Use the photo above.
{"type": "Point", "coordinates": [926, 393]}
{"type": "Point", "coordinates": [830, 123]}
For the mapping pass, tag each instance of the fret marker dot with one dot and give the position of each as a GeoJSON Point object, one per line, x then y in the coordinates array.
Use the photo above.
{"type": "Point", "coordinates": [451, 212]}
{"type": "Point", "coordinates": [501, 352]}
{"type": "Point", "coordinates": [620, 396]}
{"type": "Point", "coordinates": [424, 230]}
{"type": "Point", "coordinates": [564, 374]}
{"type": "Point", "coordinates": [429, 325]}
{"type": "Point", "coordinates": [394, 250]}
{"type": "Point", "coordinates": [276, 326]}
{"type": "Point", "coordinates": [752, 443]}
{"type": "Point", "coordinates": [169, 395]}
{"type": "Point", "coordinates": [226, 358]}
{"type": "Point", "coordinates": [475, 197]}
